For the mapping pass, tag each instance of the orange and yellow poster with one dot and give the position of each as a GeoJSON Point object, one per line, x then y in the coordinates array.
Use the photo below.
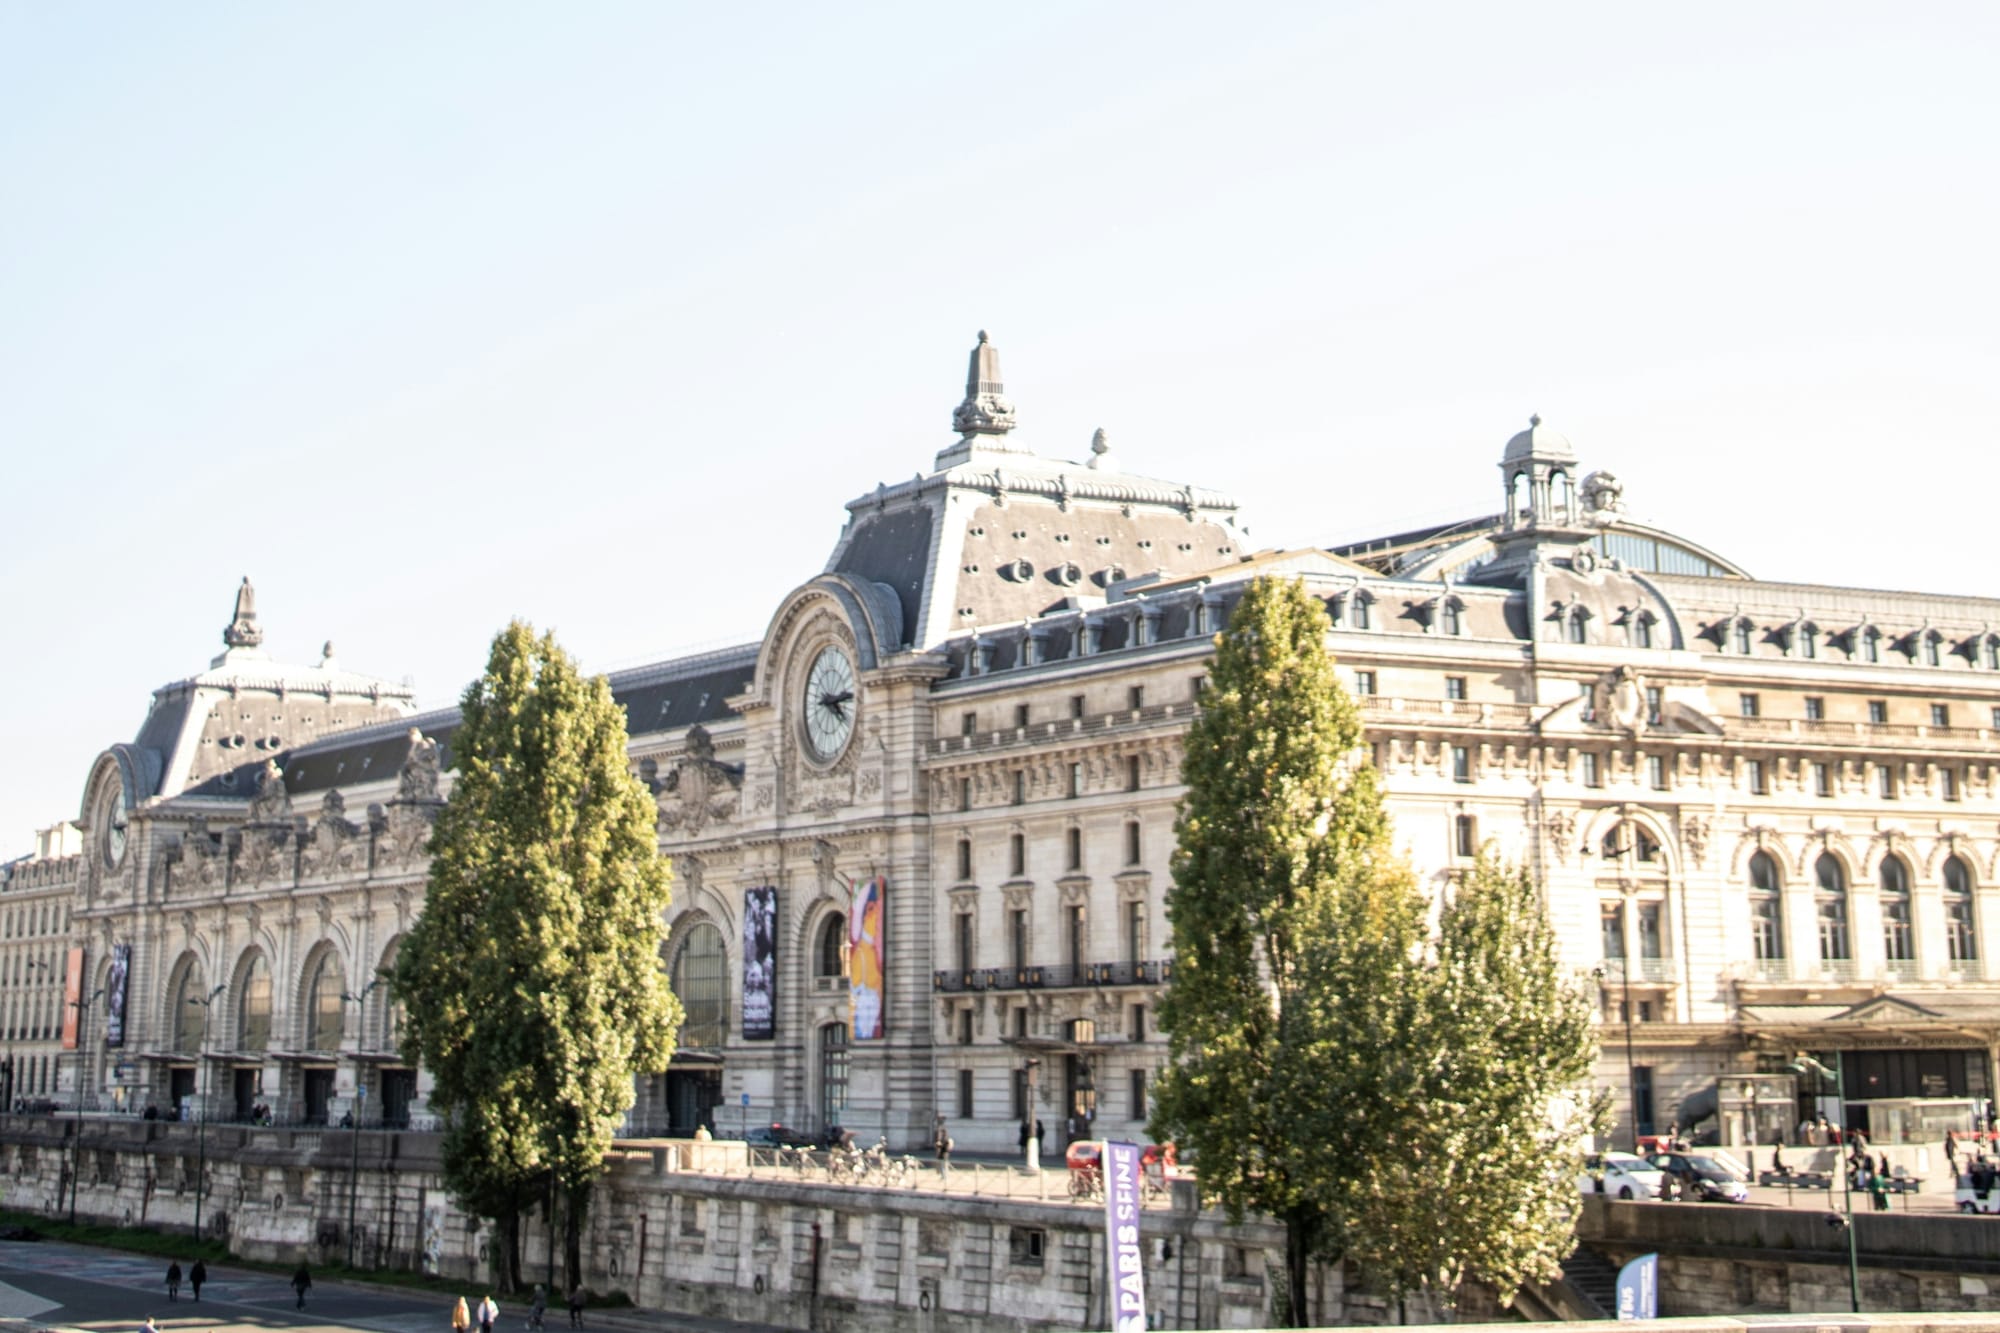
{"type": "Point", "coordinates": [865, 956]}
{"type": "Point", "coordinates": [72, 997]}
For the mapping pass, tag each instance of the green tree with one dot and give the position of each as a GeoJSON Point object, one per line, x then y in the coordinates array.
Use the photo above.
{"type": "Point", "coordinates": [1483, 1181]}
{"type": "Point", "coordinates": [532, 978]}
{"type": "Point", "coordinates": [1296, 934]}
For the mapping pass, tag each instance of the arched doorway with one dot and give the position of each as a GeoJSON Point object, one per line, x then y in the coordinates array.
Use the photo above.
{"type": "Point", "coordinates": [699, 977]}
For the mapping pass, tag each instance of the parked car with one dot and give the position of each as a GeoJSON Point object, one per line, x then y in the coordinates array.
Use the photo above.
{"type": "Point", "coordinates": [1622, 1175]}
{"type": "Point", "coordinates": [1699, 1176]}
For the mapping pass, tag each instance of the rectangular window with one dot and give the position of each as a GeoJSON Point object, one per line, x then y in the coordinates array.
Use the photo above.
{"type": "Point", "coordinates": [1074, 927]}
{"type": "Point", "coordinates": [1465, 836]}
{"type": "Point", "coordinates": [1815, 708]}
{"type": "Point", "coordinates": [968, 723]}
{"type": "Point", "coordinates": [1132, 848]}
{"type": "Point", "coordinates": [1138, 1027]}
{"type": "Point", "coordinates": [1948, 783]}
{"type": "Point", "coordinates": [1020, 786]}
{"type": "Point", "coordinates": [1653, 704]}
{"type": "Point", "coordinates": [1017, 938]}
{"type": "Point", "coordinates": [1461, 764]}
{"type": "Point", "coordinates": [1940, 715]}
{"type": "Point", "coordinates": [1075, 781]}
{"type": "Point", "coordinates": [1138, 1097]}
{"type": "Point", "coordinates": [1454, 687]}
{"type": "Point", "coordinates": [1649, 930]}
{"type": "Point", "coordinates": [1025, 1245]}
{"type": "Point", "coordinates": [1020, 1108]}
{"type": "Point", "coordinates": [1021, 715]}
{"type": "Point", "coordinates": [1074, 859]}
{"type": "Point", "coordinates": [1076, 705]}
{"type": "Point", "coordinates": [1592, 777]}
{"type": "Point", "coordinates": [1642, 1098]}
{"type": "Point", "coordinates": [1200, 686]}
{"type": "Point", "coordinates": [1021, 1026]}
{"type": "Point", "coordinates": [1996, 719]}
{"type": "Point", "coordinates": [1885, 782]}
{"type": "Point", "coordinates": [1017, 855]}
{"type": "Point", "coordinates": [1645, 1011]}
{"type": "Point", "coordinates": [964, 1030]}
{"type": "Point", "coordinates": [962, 924]}
{"type": "Point", "coordinates": [1747, 704]}
{"type": "Point", "coordinates": [1135, 697]}
{"type": "Point", "coordinates": [965, 1094]}
{"type": "Point", "coordinates": [1611, 929]}
{"type": "Point", "coordinates": [1878, 710]}
{"type": "Point", "coordinates": [1822, 780]}
{"type": "Point", "coordinates": [964, 859]}
{"type": "Point", "coordinates": [1135, 933]}
{"type": "Point", "coordinates": [1656, 771]}
{"type": "Point", "coordinates": [1753, 776]}
{"type": "Point", "coordinates": [965, 793]}
{"type": "Point", "coordinates": [1364, 683]}
{"type": "Point", "coordinates": [1132, 772]}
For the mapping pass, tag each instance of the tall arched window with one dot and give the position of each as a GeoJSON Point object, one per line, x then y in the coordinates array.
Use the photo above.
{"type": "Point", "coordinates": [1742, 631]}
{"type": "Point", "coordinates": [1559, 496]}
{"type": "Point", "coordinates": [1520, 505]}
{"type": "Point", "coordinates": [827, 961]}
{"type": "Point", "coordinates": [1767, 909]}
{"type": "Point", "coordinates": [1454, 623]}
{"type": "Point", "coordinates": [253, 1008]}
{"type": "Point", "coordinates": [1830, 905]}
{"type": "Point", "coordinates": [832, 1073]}
{"type": "Point", "coordinates": [1809, 641]}
{"type": "Point", "coordinates": [187, 1014]}
{"type": "Point", "coordinates": [1642, 630]}
{"type": "Point", "coordinates": [1579, 625]}
{"type": "Point", "coordinates": [700, 979]}
{"type": "Point", "coordinates": [1959, 933]}
{"type": "Point", "coordinates": [329, 982]}
{"type": "Point", "coordinates": [1931, 648]}
{"type": "Point", "coordinates": [1894, 882]}
{"type": "Point", "coordinates": [1871, 645]}
{"type": "Point", "coordinates": [1361, 614]}
{"type": "Point", "coordinates": [394, 1012]}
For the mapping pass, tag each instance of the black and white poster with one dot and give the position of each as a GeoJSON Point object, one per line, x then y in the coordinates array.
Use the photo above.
{"type": "Point", "coordinates": [760, 963]}
{"type": "Point", "coordinates": [115, 987]}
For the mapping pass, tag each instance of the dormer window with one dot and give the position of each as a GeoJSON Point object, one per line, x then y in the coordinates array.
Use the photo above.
{"type": "Point", "coordinates": [1578, 624]}
{"type": "Point", "coordinates": [1871, 644]}
{"type": "Point", "coordinates": [1358, 615]}
{"type": "Point", "coordinates": [1992, 650]}
{"type": "Point", "coordinates": [1741, 630]}
{"type": "Point", "coordinates": [1642, 630]}
{"type": "Point", "coordinates": [1451, 619]}
{"type": "Point", "coordinates": [1932, 652]}
{"type": "Point", "coordinates": [1809, 641]}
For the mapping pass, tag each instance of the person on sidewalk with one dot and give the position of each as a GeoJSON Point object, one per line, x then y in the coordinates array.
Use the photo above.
{"type": "Point", "coordinates": [576, 1306]}
{"type": "Point", "coordinates": [302, 1283]}
{"type": "Point", "coordinates": [461, 1318]}
{"type": "Point", "coordinates": [196, 1276]}
{"type": "Point", "coordinates": [941, 1148]}
{"type": "Point", "coordinates": [489, 1314]}
{"type": "Point", "coordinates": [149, 1326]}
{"type": "Point", "coordinates": [538, 1308]}
{"type": "Point", "coordinates": [174, 1280]}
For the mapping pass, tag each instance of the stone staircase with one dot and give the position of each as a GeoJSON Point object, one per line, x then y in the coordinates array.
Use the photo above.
{"type": "Point", "coordinates": [1593, 1280]}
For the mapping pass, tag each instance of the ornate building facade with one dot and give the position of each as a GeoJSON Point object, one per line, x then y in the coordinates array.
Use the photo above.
{"type": "Point", "coordinates": [922, 827]}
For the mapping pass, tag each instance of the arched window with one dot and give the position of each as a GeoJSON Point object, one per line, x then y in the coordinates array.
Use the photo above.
{"type": "Point", "coordinates": [1453, 621]}
{"type": "Point", "coordinates": [1579, 625]}
{"type": "Point", "coordinates": [187, 1012]}
{"type": "Point", "coordinates": [329, 982]}
{"type": "Point", "coordinates": [1809, 641]}
{"type": "Point", "coordinates": [827, 961]}
{"type": "Point", "coordinates": [1742, 630]}
{"type": "Point", "coordinates": [1871, 644]}
{"type": "Point", "coordinates": [394, 1012]}
{"type": "Point", "coordinates": [700, 980]}
{"type": "Point", "coordinates": [1520, 505]}
{"type": "Point", "coordinates": [1646, 846]}
{"type": "Point", "coordinates": [1958, 921]}
{"type": "Point", "coordinates": [832, 1073]}
{"type": "Point", "coordinates": [1894, 881]}
{"type": "Point", "coordinates": [1360, 616]}
{"type": "Point", "coordinates": [1642, 630]}
{"type": "Point", "coordinates": [1931, 649]}
{"type": "Point", "coordinates": [1992, 653]}
{"type": "Point", "coordinates": [1559, 496]}
{"type": "Point", "coordinates": [1830, 906]}
{"type": "Point", "coordinates": [253, 1008]}
{"type": "Point", "coordinates": [1767, 910]}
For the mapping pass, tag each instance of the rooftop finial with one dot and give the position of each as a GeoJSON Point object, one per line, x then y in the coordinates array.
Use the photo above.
{"type": "Point", "coordinates": [1534, 419]}
{"type": "Point", "coordinates": [1100, 449]}
{"type": "Point", "coordinates": [243, 631]}
{"type": "Point", "coordinates": [985, 410]}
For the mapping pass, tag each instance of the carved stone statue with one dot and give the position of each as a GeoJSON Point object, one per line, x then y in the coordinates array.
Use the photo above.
{"type": "Point", "coordinates": [418, 780]}
{"type": "Point", "coordinates": [699, 788]}
{"type": "Point", "coordinates": [1624, 701]}
{"type": "Point", "coordinates": [1603, 493]}
{"type": "Point", "coordinates": [1561, 826]}
{"type": "Point", "coordinates": [272, 804]}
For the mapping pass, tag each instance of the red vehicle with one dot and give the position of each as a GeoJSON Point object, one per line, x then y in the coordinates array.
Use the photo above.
{"type": "Point", "coordinates": [1085, 1160]}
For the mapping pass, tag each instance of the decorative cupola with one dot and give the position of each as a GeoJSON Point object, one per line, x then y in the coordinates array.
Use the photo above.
{"type": "Point", "coordinates": [1539, 470]}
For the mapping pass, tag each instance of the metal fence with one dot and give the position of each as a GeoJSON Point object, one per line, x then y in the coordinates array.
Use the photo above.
{"type": "Point", "coordinates": [1050, 1184]}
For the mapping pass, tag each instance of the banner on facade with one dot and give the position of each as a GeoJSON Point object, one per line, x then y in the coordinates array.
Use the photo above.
{"type": "Point", "coordinates": [1639, 1288]}
{"type": "Point", "coordinates": [866, 953]}
{"type": "Point", "coordinates": [72, 997]}
{"type": "Point", "coordinates": [1120, 1164]}
{"type": "Point", "coordinates": [760, 963]}
{"type": "Point", "coordinates": [115, 987]}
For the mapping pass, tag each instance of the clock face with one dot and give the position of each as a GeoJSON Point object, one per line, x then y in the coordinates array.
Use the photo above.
{"type": "Point", "coordinates": [829, 703]}
{"type": "Point", "coordinates": [111, 821]}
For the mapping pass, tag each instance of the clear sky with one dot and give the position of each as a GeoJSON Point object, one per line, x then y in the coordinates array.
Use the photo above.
{"type": "Point", "coordinates": [426, 316]}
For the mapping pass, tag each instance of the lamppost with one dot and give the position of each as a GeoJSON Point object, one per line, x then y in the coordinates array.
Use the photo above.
{"type": "Point", "coordinates": [1802, 1064]}
{"type": "Point", "coordinates": [207, 1003]}
{"type": "Point", "coordinates": [360, 1096]}
{"type": "Point", "coordinates": [80, 1004]}
{"type": "Point", "coordinates": [1033, 1148]}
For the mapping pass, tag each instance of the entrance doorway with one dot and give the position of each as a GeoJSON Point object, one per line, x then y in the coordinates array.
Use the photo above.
{"type": "Point", "coordinates": [319, 1093]}
{"type": "Point", "coordinates": [692, 1096]}
{"type": "Point", "coordinates": [399, 1089]}
{"type": "Point", "coordinates": [1079, 1084]}
{"type": "Point", "coordinates": [248, 1085]}
{"type": "Point", "coordinates": [180, 1089]}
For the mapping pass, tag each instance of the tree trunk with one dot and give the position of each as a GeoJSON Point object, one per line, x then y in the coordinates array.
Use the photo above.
{"type": "Point", "coordinates": [576, 1208]}
{"type": "Point", "coordinates": [508, 1228]}
{"type": "Point", "coordinates": [1297, 1247]}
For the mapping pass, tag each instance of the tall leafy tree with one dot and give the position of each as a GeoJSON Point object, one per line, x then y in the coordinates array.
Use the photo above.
{"type": "Point", "coordinates": [1483, 1181]}
{"type": "Point", "coordinates": [1295, 931]}
{"type": "Point", "coordinates": [532, 978]}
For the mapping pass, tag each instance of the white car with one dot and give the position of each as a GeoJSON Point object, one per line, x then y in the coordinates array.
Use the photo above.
{"type": "Point", "coordinates": [1624, 1176]}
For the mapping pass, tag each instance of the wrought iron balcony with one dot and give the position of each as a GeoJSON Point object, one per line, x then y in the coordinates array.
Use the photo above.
{"type": "Point", "coordinates": [1052, 976]}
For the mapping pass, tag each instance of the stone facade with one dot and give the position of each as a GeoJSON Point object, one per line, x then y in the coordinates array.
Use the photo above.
{"type": "Point", "coordinates": [1764, 814]}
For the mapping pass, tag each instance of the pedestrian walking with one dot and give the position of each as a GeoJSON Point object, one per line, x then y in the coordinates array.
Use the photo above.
{"type": "Point", "coordinates": [174, 1280]}
{"type": "Point", "coordinates": [461, 1318]}
{"type": "Point", "coordinates": [488, 1313]}
{"type": "Point", "coordinates": [302, 1283]}
{"type": "Point", "coordinates": [148, 1326]}
{"type": "Point", "coordinates": [196, 1276]}
{"type": "Point", "coordinates": [941, 1147]}
{"type": "Point", "coordinates": [535, 1310]}
{"type": "Point", "coordinates": [576, 1306]}
{"type": "Point", "coordinates": [1951, 1150]}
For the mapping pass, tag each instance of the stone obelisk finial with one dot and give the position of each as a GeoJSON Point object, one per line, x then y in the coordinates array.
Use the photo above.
{"type": "Point", "coordinates": [243, 630]}
{"type": "Point", "coordinates": [985, 410]}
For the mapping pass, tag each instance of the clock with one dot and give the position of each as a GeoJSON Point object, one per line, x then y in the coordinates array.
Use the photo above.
{"type": "Point", "coordinates": [829, 703]}
{"type": "Point", "coordinates": [111, 820]}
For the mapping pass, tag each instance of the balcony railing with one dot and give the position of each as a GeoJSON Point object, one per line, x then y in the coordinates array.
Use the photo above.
{"type": "Point", "coordinates": [1058, 728]}
{"type": "Point", "coordinates": [1052, 976]}
{"type": "Point", "coordinates": [1852, 733]}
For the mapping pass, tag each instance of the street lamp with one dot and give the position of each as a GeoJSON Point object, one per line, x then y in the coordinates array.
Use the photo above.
{"type": "Point", "coordinates": [1033, 1148]}
{"type": "Point", "coordinates": [207, 1003]}
{"type": "Point", "coordinates": [360, 1096]}
{"type": "Point", "coordinates": [1804, 1064]}
{"type": "Point", "coordinates": [80, 1004]}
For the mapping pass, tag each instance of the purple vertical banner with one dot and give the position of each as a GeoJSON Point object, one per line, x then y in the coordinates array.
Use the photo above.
{"type": "Point", "coordinates": [1120, 1164]}
{"type": "Point", "coordinates": [760, 963]}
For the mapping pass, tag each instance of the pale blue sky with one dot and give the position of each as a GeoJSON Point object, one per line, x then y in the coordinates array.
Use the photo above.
{"type": "Point", "coordinates": [428, 315]}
